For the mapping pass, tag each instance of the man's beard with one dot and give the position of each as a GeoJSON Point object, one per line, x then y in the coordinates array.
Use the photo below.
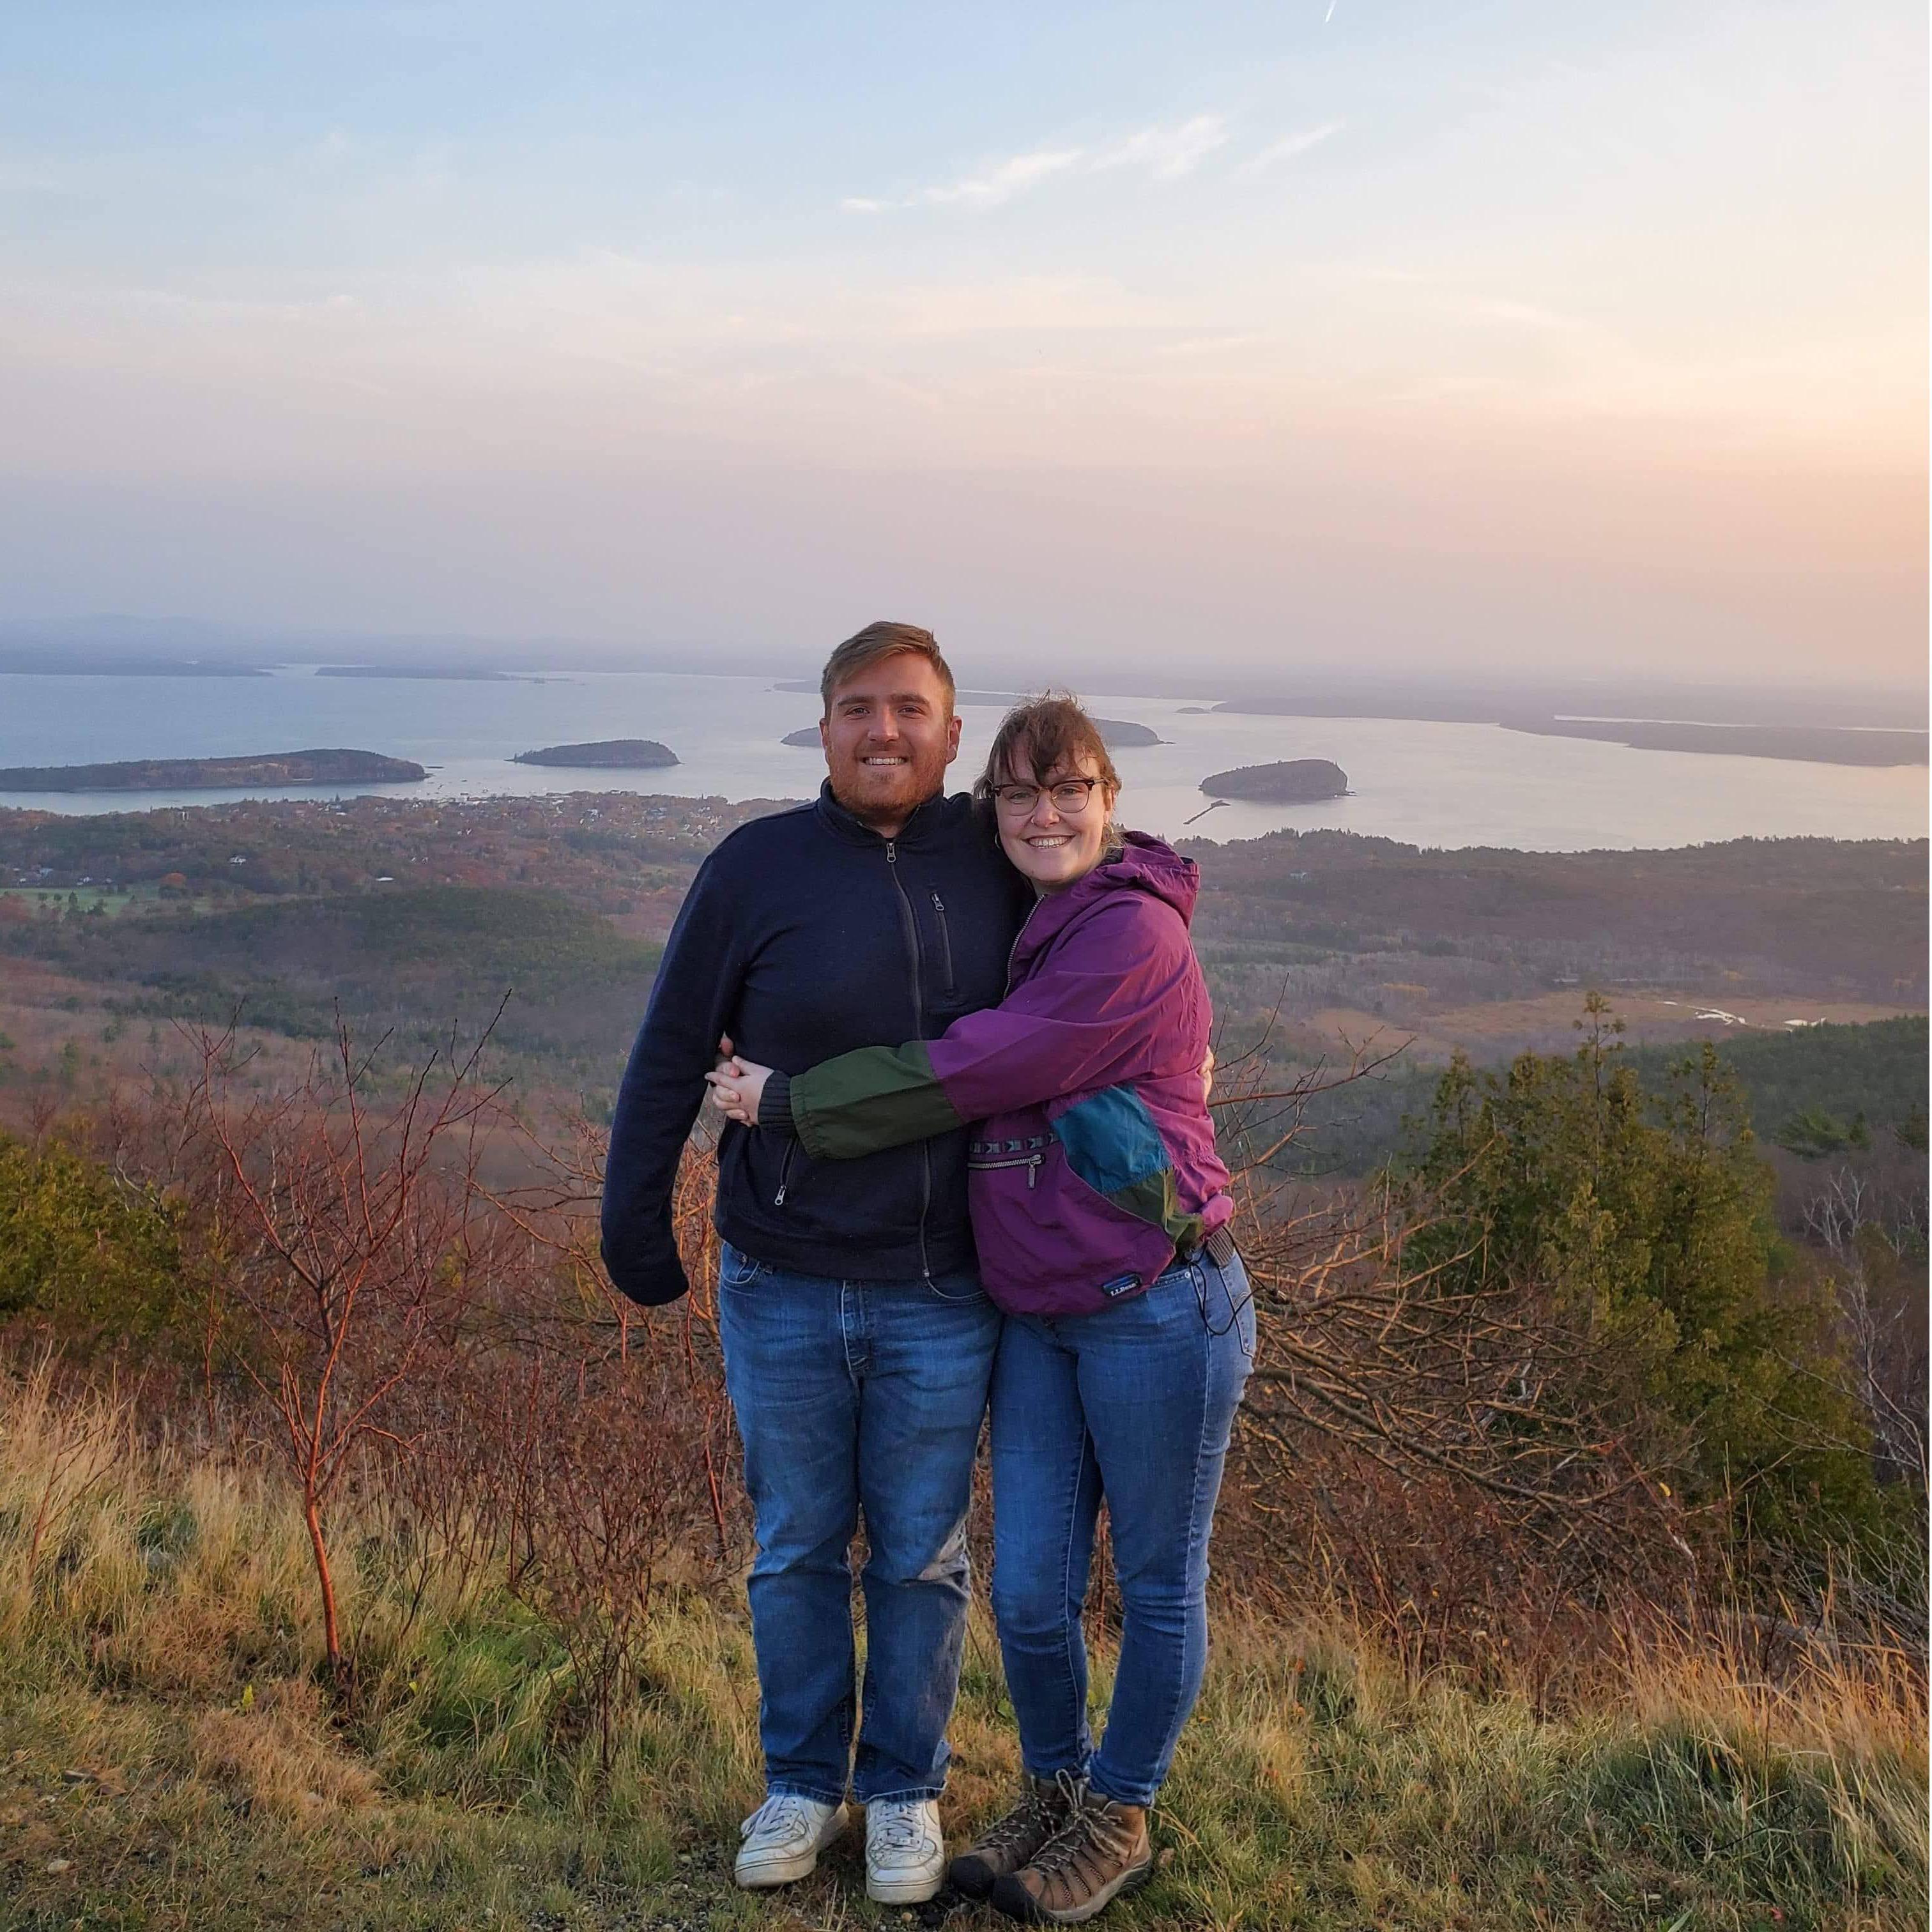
{"type": "Point", "coordinates": [924, 778]}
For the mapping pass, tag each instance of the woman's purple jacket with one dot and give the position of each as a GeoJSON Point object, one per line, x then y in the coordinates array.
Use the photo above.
{"type": "Point", "coordinates": [1093, 1159]}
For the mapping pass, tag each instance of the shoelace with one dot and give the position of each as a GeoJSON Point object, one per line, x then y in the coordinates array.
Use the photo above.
{"type": "Point", "coordinates": [1085, 1834]}
{"type": "Point", "coordinates": [900, 1830]}
{"type": "Point", "coordinates": [1019, 1825]}
{"type": "Point", "coordinates": [777, 1821]}
{"type": "Point", "coordinates": [1035, 1809]}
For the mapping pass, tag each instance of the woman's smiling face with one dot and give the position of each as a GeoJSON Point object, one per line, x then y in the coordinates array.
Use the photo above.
{"type": "Point", "coordinates": [1054, 829]}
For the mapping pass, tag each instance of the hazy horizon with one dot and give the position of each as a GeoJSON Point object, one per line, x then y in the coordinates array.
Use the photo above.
{"type": "Point", "coordinates": [129, 639]}
{"type": "Point", "coordinates": [1366, 340]}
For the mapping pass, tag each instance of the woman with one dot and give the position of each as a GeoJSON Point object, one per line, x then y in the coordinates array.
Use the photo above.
{"type": "Point", "coordinates": [1099, 1210]}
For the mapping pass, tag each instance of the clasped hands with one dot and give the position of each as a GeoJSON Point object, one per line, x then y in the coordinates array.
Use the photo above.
{"type": "Point", "coordinates": [737, 1085]}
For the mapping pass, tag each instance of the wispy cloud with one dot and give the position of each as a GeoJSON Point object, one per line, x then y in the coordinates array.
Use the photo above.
{"type": "Point", "coordinates": [1167, 153]}
{"type": "Point", "coordinates": [1164, 152]}
{"type": "Point", "coordinates": [1287, 148]}
{"type": "Point", "coordinates": [1009, 179]}
{"type": "Point", "coordinates": [989, 188]}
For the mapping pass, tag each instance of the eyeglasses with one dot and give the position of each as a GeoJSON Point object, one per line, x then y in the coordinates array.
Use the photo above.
{"type": "Point", "coordinates": [1070, 796]}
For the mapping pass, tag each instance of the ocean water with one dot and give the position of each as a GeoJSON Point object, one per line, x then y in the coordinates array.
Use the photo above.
{"type": "Point", "coordinates": [1424, 784]}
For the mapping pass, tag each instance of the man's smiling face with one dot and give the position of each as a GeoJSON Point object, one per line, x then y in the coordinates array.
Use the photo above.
{"type": "Point", "coordinates": [889, 734]}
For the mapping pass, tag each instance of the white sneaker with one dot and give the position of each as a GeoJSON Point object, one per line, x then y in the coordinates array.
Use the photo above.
{"type": "Point", "coordinates": [783, 1838]}
{"type": "Point", "coordinates": [905, 1851]}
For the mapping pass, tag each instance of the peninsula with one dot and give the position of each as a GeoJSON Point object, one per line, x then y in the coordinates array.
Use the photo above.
{"type": "Point", "coordinates": [265, 768]}
{"type": "Point", "coordinates": [805, 740]}
{"type": "Point", "coordinates": [608, 754]}
{"type": "Point", "coordinates": [1294, 782]}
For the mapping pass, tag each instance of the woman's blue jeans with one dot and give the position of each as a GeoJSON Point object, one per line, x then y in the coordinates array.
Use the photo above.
{"type": "Point", "coordinates": [1134, 1403]}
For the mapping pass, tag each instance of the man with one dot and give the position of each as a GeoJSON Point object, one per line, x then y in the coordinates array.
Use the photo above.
{"type": "Point", "coordinates": [857, 1339]}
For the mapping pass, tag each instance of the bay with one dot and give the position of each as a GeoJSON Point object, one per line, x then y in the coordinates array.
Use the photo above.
{"type": "Point", "coordinates": [1424, 784]}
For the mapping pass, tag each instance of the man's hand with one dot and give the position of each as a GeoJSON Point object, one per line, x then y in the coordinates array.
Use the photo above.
{"type": "Point", "coordinates": [737, 1086]}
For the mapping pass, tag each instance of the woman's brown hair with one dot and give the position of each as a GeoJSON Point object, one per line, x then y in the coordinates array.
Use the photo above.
{"type": "Point", "coordinates": [1051, 736]}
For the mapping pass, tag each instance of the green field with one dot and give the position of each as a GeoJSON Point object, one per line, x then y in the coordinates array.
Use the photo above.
{"type": "Point", "coordinates": [109, 905]}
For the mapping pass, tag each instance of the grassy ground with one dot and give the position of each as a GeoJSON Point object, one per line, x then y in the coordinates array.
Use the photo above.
{"type": "Point", "coordinates": [168, 1759]}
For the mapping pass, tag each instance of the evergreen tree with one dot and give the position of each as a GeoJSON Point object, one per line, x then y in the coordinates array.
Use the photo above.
{"type": "Point", "coordinates": [1647, 1218]}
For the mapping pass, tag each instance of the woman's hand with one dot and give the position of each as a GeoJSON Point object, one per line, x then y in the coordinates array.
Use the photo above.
{"type": "Point", "coordinates": [737, 1086]}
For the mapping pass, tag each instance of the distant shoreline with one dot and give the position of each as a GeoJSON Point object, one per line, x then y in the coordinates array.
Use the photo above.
{"type": "Point", "coordinates": [1807, 744]}
{"type": "Point", "coordinates": [431, 672]}
{"type": "Point", "coordinates": [50, 663]}
{"type": "Point", "coordinates": [1852, 745]}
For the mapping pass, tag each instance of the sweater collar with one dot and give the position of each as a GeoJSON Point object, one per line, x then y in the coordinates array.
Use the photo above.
{"type": "Point", "coordinates": [924, 821]}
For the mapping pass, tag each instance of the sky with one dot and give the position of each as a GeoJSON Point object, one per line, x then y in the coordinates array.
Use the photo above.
{"type": "Point", "coordinates": [1505, 336]}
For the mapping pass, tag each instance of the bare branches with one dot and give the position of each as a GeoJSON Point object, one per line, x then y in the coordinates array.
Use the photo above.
{"type": "Point", "coordinates": [1487, 1386]}
{"type": "Point", "coordinates": [352, 1246]}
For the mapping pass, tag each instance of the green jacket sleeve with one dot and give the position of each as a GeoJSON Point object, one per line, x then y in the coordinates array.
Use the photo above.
{"type": "Point", "coordinates": [877, 1096]}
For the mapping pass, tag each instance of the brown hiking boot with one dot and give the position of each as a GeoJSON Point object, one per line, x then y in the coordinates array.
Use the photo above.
{"type": "Point", "coordinates": [1102, 1850]}
{"type": "Point", "coordinates": [1009, 1842]}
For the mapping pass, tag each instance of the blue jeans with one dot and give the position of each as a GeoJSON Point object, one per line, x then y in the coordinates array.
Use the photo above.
{"type": "Point", "coordinates": [855, 1395]}
{"type": "Point", "coordinates": [1135, 1403]}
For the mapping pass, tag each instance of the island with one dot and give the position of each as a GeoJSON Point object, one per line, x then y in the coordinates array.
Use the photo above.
{"type": "Point", "coordinates": [806, 740]}
{"type": "Point", "coordinates": [1120, 736]}
{"type": "Point", "coordinates": [608, 754]}
{"type": "Point", "coordinates": [1294, 782]}
{"type": "Point", "coordinates": [265, 768]}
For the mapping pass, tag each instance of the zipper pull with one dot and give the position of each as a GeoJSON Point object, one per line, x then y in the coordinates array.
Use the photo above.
{"type": "Point", "coordinates": [891, 853]}
{"type": "Point", "coordinates": [1033, 1171]}
{"type": "Point", "coordinates": [938, 904]}
{"type": "Point", "coordinates": [778, 1199]}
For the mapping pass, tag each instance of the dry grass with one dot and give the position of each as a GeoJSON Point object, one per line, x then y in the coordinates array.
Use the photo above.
{"type": "Point", "coordinates": [169, 1756]}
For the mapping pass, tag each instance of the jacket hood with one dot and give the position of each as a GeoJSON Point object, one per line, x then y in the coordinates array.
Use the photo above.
{"type": "Point", "coordinates": [1146, 864]}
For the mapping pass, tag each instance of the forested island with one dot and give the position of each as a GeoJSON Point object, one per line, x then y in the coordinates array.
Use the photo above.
{"type": "Point", "coordinates": [1292, 781]}
{"type": "Point", "coordinates": [265, 768]}
{"type": "Point", "coordinates": [608, 754]}
{"type": "Point", "coordinates": [1121, 736]}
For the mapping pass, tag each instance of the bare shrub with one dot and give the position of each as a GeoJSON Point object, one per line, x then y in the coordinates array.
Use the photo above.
{"type": "Point", "coordinates": [590, 1475]}
{"type": "Point", "coordinates": [1871, 1233]}
{"type": "Point", "coordinates": [351, 1242]}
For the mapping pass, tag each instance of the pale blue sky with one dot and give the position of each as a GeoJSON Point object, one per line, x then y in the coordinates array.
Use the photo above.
{"type": "Point", "coordinates": [1504, 333]}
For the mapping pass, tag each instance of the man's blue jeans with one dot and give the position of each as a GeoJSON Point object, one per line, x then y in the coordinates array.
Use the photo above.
{"type": "Point", "coordinates": [1134, 1402]}
{"type": "Point", "coordinates": [855, 1395]}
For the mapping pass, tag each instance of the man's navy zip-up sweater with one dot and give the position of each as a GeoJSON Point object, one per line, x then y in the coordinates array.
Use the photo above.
{"type": "Point", "coordinates": [806, 935]}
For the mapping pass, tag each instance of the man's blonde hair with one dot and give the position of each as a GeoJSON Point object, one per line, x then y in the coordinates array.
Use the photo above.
{"type": "Point", "coordinates": [865, 648]}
